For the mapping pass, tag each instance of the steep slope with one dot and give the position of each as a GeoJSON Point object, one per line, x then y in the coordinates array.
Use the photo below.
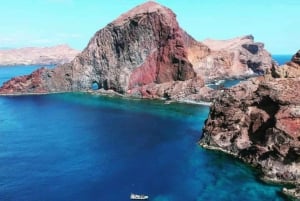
{"type": "Point", "coordinates": [259, 122]}
{"type": "Point", "coordinates": [38, 56]}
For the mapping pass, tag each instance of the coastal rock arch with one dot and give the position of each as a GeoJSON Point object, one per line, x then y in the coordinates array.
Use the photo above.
{"type": "Point", "coordinates": [95, 86]}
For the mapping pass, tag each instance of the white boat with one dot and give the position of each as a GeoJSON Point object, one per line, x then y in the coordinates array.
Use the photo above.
{"type": "Point", "coordinates": [138, 197]}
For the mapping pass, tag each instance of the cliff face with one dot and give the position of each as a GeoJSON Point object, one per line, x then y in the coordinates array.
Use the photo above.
{"type": "Point", "coordinates": [38, 56]}
{"type": "Point", "coordinates": [145, 53]}
{"type": "Point", "coordinates": [237, 57]}
{"type": "Point", "coordinates": [143, 46]}
{"type": "Point", "coordinates": [259, 122]}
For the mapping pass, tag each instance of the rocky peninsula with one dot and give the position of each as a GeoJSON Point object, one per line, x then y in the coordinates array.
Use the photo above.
{"type": "Point", "coordinates": [258, 121]}
{"type": "Point", "coordinates": [59, 54]}
{"type": "Point", "coordinates": [144, 53]}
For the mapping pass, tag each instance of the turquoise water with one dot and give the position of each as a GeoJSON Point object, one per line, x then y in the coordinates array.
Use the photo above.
{"type": "Point", "coordinates": [82, 147]}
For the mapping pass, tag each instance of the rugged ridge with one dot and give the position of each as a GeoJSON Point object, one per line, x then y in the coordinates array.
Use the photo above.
{"type": "Point", "coordinates": [258, 121]}
{"type": "Point", "coordinates": [145, 53]}
{"type": "Point", "coordinates": [237, 57]}
{"type": "Point", "coordinates": [38, 56]}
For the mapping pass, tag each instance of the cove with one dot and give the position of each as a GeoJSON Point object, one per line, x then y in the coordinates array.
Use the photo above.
{"type": "Point", "coordinates": [83, 147]}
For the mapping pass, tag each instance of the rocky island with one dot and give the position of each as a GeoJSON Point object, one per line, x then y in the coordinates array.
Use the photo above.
{"type": "Point", "coordinates": [144, 53]}
{"type": "Point", "coordinates": [59, 54]}
{"type": "Point", "coordinates": [258, 121]}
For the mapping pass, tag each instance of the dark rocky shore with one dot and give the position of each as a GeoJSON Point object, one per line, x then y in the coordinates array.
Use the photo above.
{"type": "Point", "coordinates": [258, 121]}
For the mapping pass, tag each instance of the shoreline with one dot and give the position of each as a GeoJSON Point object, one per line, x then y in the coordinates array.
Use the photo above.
{"type": "Point", "coordinates": [114, 94]}
{"type": "Point", "coordinates": [286, 189]}
{"type": "Point", "coordinates": [290, 190]}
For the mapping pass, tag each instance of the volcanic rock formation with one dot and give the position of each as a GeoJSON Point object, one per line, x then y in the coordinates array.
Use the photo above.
{"type": "Point", "coordinates": [38, 56]}
{"type": "Point", "coordinates": [258, 121]}
{"type": "Point", "coordinates": [236, 57]}
{"type": "Point", "coordinates": [145, 53]}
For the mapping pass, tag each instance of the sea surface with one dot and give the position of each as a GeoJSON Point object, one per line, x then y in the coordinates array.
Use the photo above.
{"type": "Point", "coordinates": [282, 59]}
{"type": "Point", "coordinates": [82, 147]}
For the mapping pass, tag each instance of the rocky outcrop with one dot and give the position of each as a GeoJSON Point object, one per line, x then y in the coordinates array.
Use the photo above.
{"type": "Point", "coordinates": [289, 70]}
{"type": "Point", "coordinates": [145, 53]}
{"type": "Point", "coordinates": [258, 121]}
{"type": "Point", "coordinates": [37, 56]}
{"type": "Point", "coordinates": [145, 45]}
{"type": "Point", "coordinates": [237, 57]}
{"type": "Point", "coordinates": [296, 58]}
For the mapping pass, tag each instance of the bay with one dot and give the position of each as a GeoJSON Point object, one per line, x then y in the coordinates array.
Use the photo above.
{"type": "Point", "coordinates": [77, 146]}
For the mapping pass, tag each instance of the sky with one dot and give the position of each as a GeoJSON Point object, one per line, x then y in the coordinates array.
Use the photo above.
{"type": "Point", "coordinates": [28, 23]}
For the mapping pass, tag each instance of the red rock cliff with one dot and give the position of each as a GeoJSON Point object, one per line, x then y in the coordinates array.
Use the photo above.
{"type": "Point", "coordinates": [143, 46]}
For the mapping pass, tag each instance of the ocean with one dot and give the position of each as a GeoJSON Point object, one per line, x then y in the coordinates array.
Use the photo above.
{"type": "Point", "coordinates": [77, 146]}
{"type": "Point", "coordinates": [282, 59]}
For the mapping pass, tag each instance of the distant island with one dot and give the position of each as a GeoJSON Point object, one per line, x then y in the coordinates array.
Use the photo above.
{"type": "Point", "coordinates": [59, 54]}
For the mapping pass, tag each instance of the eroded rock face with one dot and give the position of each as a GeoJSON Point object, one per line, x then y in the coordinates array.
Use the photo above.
{"type": "Point", "coordinates": [143, 46]}
{"type": "Point", "coordinates": [145, 53]}
{"type": "Point", "coordinates": [259, 122]}
{"type": "Point", "coordinates": [237, 57]}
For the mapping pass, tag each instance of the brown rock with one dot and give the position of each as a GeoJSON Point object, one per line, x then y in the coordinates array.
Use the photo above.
{"type": "Point", "coordinates": [288, 70]}
{"type": "Point", "coordinates": [176, 90]}
{"type": "Point", "coordinates": [237, 57]}
{"type": "Point", "coordinates": [259, 122]}
{"type": "Point", "coordinates": [32, 82]}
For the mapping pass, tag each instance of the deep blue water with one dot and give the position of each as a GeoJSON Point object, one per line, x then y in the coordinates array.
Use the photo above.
{"type": "Point", "coordinates": [282, 59]}
{"type": "Point", "coordinates": [81, 147]}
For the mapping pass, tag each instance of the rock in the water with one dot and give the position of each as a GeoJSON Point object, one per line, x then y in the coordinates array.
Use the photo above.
{"type": "Point", "coordinates": [258, 121]}
{"type": "Point", "coordinates": [145, 53]}
{"type": "Point", "coordinates": [38, 56]}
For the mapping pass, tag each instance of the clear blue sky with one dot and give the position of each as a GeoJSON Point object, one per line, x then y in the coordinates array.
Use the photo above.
{"type": "Point", "coordinates": [51, 22]}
